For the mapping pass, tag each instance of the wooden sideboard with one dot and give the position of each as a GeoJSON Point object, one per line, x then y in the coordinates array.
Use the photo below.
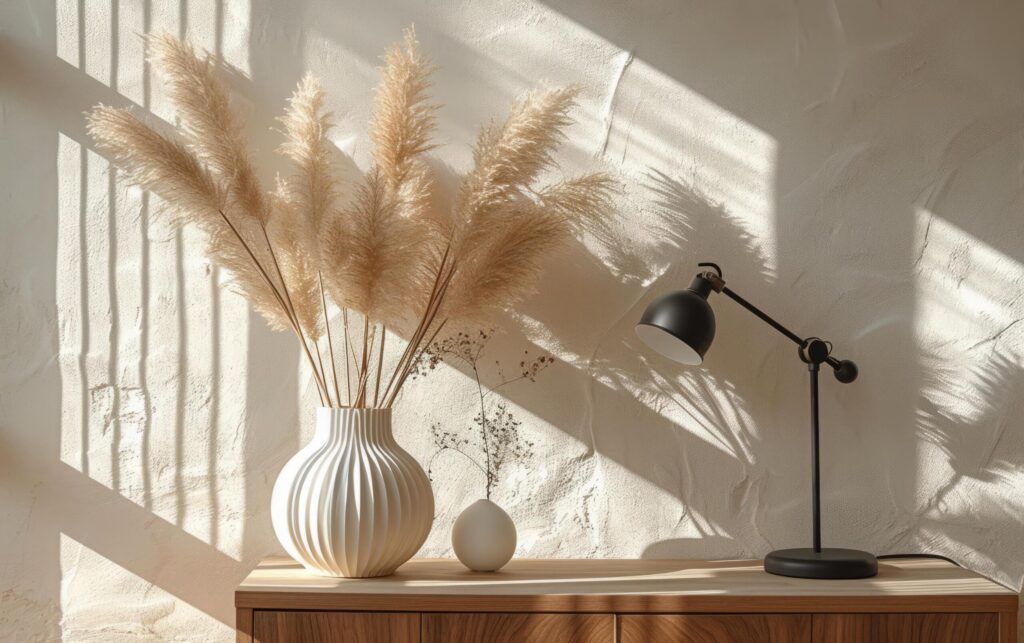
{"type": "Point", "coordinates": [624, 601]}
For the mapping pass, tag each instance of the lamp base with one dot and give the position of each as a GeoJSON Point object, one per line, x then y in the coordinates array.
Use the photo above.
{"type": "Point", "coordinates": [827, 563]}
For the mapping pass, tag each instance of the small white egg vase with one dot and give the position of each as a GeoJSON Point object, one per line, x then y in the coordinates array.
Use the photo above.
{"type": "Point", "coordinates": [484, 537]}
{"type": "Point", "coordinates": [352, 502]}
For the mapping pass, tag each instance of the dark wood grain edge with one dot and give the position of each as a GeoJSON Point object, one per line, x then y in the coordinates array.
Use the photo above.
{"type": "Point", "coordinates": [640, 604]}
{"type": "Point", "coordinates": [243, 625]}
{"type": "Point", "coordinates": [515, 626]}
{"type": "Point", "coordinates": [1008, 626]}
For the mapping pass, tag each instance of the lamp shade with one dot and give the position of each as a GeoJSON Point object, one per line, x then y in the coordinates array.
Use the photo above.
{"type": "Point", "coordinates": [681, 324]}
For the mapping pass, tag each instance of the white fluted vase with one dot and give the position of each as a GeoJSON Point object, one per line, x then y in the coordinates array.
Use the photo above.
{"type": "Point", "coordinates": [352, 502]}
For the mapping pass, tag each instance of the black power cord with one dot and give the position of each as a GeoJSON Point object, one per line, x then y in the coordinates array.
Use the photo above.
{"type": "Point", "coordinates": [938, 557]}
{"type": "Point", "coordinates": [935, 556]}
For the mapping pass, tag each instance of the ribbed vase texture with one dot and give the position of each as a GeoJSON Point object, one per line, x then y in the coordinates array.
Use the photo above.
{"type": "Point", "coordinates": [352, 502]}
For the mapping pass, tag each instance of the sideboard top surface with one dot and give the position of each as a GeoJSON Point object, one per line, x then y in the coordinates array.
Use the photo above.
{"type": "Point", "coordinates": [604, 577]}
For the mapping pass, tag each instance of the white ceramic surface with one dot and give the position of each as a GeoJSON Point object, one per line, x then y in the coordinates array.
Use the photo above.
{"type": "Point", "coordinates": [352, 502]}
{"type": "Point", "coordinates": [484, 537]}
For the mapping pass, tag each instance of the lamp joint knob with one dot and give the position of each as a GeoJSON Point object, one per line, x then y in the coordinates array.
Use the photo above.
{"type": "Point", "coordinates": [814, 351]}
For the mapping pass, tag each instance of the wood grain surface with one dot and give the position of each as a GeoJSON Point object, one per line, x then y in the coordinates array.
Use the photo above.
{"type": "Point", "coordinates": [243, 625]}
{"type": "Point", "coordinates": [518, 628]}
{"type": "Point", "coordinates": [335, 627]}
{"type": "Point", "coordinates": [607, 586]}
{"type": "Point", "coordinates": [715, 628]}
{"type": "Point", "coordinates": [906, 628]}
{"type": "Point", "coordinates": [1008, 626]}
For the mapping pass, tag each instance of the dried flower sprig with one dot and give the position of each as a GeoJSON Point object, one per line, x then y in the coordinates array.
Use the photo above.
{"type": "Point", "coordinates": [499, 430]}
{"type": "Point", "coordinates": [389, 260]}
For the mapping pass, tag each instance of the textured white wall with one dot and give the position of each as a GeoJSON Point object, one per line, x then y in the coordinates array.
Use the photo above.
{"type": "Point", "coordinates": [855, 167]}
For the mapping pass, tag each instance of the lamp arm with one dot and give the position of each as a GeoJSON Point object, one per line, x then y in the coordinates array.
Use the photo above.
{"type": "Point", "coordinates": [717, 283]}
{"type": "Point", "coordinates": [846, 371]}
{"type": "Point", "coordinates": [796, 339]}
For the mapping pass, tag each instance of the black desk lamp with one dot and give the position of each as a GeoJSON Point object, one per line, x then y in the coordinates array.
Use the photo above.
{"type": "Point", "coordinates": [680, 326]}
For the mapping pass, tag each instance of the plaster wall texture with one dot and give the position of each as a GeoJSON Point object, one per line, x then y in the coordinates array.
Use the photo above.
{"type": "Point", "coordinates": [855, 167]}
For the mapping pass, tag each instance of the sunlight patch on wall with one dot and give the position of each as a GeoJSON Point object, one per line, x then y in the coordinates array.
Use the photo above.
{"type": "Point", "coordinates": [71, 332]}
{"type": "Point", "coordinates": [655, 122]}
{"type": "Point", "coordinates": [969, 331]}
{"type": "Point", "coordinates": [93, 605]}
{"type": "Point", "coordinates": [87, 38]}
{"type": "Point", "coordinates": [965, 298]}
{"type": "Point", "coordinates": [152, 355]}
{"type": "Point", "coordinates": [106, 40]}
{"type": "Point", "coordinates": [152, 349]}
{"type": "Point", "coordinates": [68, 28]}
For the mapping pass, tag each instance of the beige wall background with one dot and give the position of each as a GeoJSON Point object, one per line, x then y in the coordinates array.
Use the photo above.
{"type": "Point", "coordinates": [855, 167]}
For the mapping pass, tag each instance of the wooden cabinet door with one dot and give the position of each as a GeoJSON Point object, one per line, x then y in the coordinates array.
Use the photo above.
{"type": "Point", "coordinates": [715, 628]}
{"type": "Point", "coordinates": [520, 628]}
{"type": "Point", "coordinates": [335, 627]}
{"type": "Point", "coordinates": [906, 628]}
